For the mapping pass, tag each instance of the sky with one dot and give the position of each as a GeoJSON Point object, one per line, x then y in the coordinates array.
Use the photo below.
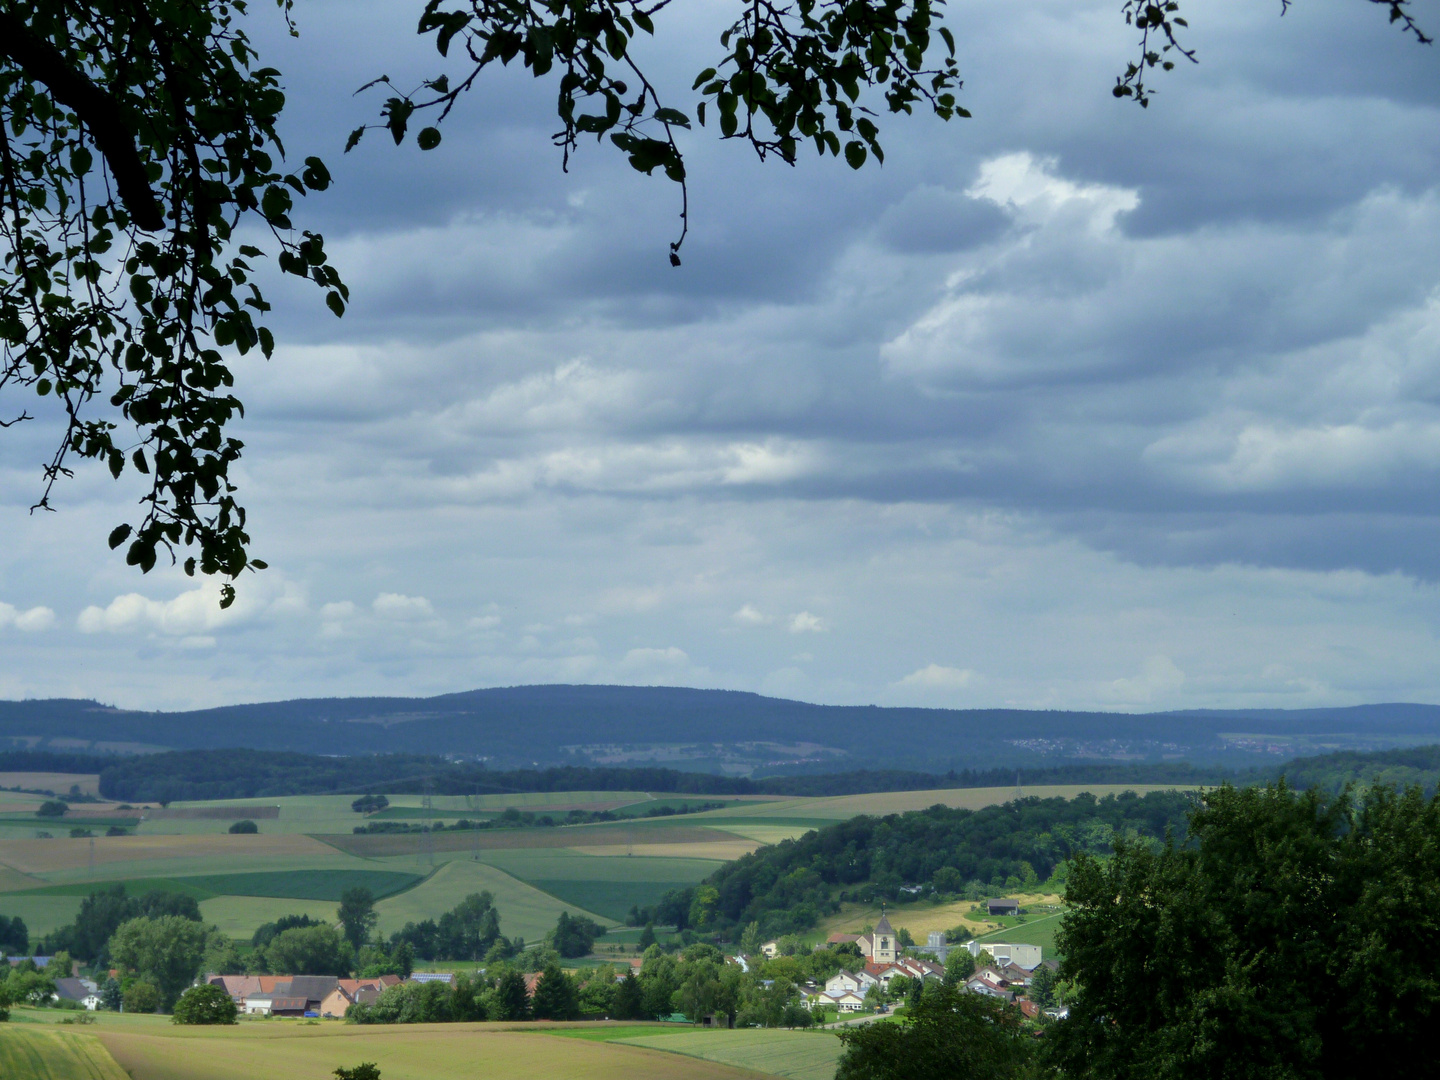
{"type": "Point", "coordinates": [1068, 405]}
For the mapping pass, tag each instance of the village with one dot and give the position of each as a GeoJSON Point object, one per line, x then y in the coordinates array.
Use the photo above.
{"type": "Point", "coordinates": [879, 974]}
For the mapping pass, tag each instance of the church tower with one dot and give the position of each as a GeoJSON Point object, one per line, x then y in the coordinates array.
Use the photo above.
{"type": "Point", "coordinates": [884, 939]}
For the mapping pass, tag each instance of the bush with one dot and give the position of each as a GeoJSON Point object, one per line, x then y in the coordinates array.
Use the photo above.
{"type": "Point", "coordinates": [204, 1005]}
{"type": "Point", "coordinates": [117, 830]}
{"type": "Point", "coordinates": [246, 826]}
{"type": "Point", "coordinates": [366, 1070]}
{"type": "Point", "coordinates": [369, 804]}
{"type": "Point", "coordinates": [142, 997]}
{"type": "Point", "coordinates": [52, 808]}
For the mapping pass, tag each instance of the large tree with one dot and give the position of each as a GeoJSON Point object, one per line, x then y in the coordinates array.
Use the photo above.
{"type": "Point", "coordinates": [140, 145]}
{"type": "Point", "coordinates": [1293, 937]}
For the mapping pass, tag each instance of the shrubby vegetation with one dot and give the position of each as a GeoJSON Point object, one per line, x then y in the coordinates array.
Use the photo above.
{"type": "Point", "coordinates": [788, 887]}
{"type": "Point", "coordinates": [103, 911]}
{"type": "Point", "coordinates": [205, 1005]}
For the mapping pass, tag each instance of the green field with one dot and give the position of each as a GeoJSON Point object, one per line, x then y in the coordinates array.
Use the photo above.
{"type": "Point", "coordinates": [300, 884]}
{"type": "Point", "coordinates": [1037, 930]}
{"type": "Point", "coordinates": [31, 1052]}
{"type": "Point", "coordinates": [799, 1055]}
{"type": "Point", "coordinates": [306, 854]}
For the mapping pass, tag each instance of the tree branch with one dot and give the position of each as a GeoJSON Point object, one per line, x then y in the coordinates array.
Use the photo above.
{"type": "Point", "coordinates": [45, 64]}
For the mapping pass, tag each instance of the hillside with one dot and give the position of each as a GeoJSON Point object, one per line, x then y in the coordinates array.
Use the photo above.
{"type": "Point", "coordinates": [715, 730]}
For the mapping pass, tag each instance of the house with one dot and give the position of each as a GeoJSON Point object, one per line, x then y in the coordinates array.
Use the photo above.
{"type": "Point", "coordinates": [845, 1001]}
{"type": "Point", "coordinates": [842, 939]}
{"type": "Point", "coordinates": [771, 949]}
{"type": "Point", "coordinates": [82, 990]}
{"type": "Point", "coordinates": [355, 991]}
{"type": "Point", "coordinates": [1029, 1008]}
{"type": "Point", "coordinates": [844, 983]}
{"type": "Point", "coordinates": [275, 1005]}
{"type": "Point", "coordinates": [908, 966]}
{"type": "Point", "coordinates": [532, 980]}
{"type": "Point", "coordinates": [979, 984]}
{"type": "Point", "coordinates": [313, 990]}
{"type": "Point", "coordinates": [1025, 956]}
{"type": "Point", "coordinates": [1003, 907]}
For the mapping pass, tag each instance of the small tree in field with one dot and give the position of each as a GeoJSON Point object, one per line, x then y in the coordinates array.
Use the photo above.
{"type": "Point", "coordinates": [204, 1005]}
{"type": "Point", "coordinates": [366, 1070]}
{"type": "Point", "coordinates": [246, 826]}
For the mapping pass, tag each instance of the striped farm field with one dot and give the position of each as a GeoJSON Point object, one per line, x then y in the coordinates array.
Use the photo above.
{"type": "Point", "coordinates": [798, 1055]}
{"type": "Point", "coordinates": [61, 783]}
{"type": "Point", "coordinates": [289, 1051]}
{"type": "Point", "coordinates": [32, 1052]}
{"type": "Point", "coordinates": [524, 909]}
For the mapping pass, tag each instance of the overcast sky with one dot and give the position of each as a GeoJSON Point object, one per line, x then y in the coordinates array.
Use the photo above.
{"type": "Point", "coordinates": [1068, 405]}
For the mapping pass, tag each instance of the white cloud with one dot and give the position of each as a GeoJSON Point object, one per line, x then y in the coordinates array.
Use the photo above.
{"type": "Point", "coordinates": [29, 621]}
{"type": "Point", "coordinates": [343, 609]}
{"type": "Point", "coordinates": [644, 660]}
{"type": "Point", "coordinates": [186, 615]}
{"type": "Point", "coordinates": [402, 608]}
{"type": "Point", "coordinates": [937, 677]}
{"type": "Point", "coordinates": [803, 622]}
{"type": "Point", "coordinates": [749, 615]}
{"type": "Point", "coordinates": [1157, 679]}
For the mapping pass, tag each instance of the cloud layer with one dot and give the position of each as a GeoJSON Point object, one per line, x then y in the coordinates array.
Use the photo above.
{"type": "Point", "coordinates": [1068, 405]}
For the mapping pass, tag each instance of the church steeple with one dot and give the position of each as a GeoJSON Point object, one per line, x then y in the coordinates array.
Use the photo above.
{"type": "Point", "coordinates": [884, 938]}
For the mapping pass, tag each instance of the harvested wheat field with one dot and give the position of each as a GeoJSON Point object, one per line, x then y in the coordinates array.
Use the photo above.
{"type": "Point", "coordinates": [281, 1050]}
{"type": "Point", "coordinates": [88, 783]}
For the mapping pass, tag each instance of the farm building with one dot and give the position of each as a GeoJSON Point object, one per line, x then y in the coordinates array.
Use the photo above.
{"type": "Point", "coordinates": [1003, 907]}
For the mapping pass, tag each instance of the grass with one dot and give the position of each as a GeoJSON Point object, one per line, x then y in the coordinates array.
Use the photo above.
{"type": "Point", "coordinates": [613, 899]}
{"type": "Point", "coordinates": [47, 1053]}
{"type": "Point", "coordinates": [798, 1055]}
{"type": "Point", "coordinates": [305, 884]}
{"type": "Point", "coordinates": [288, 1051]}
{"type": "Point", "coordinates": [524, 909]}
{"type": "Point", "coordinates": [240, 916]}
{"type": "Point", "coordinates": [1036, 930]}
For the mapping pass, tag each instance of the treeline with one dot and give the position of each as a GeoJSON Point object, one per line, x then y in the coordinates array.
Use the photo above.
{"type": "Point", "coordinates": [1416, 766]}
{"type": "Point", "coordinates": [238, 774]}
{"type": "Point", "coordinates": [789, 887]}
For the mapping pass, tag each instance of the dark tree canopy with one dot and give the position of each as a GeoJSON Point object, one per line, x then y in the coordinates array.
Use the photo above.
{"type": "Point", "coordinates": [139, 139]}
{"type": "Point", "coordinates": [1293, 937]}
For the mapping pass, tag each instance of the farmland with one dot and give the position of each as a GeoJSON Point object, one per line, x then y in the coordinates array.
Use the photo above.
{"type": "Point", "coordinates": [306, 853]}
{"type": "Point", "coordinates": [151, 1048]}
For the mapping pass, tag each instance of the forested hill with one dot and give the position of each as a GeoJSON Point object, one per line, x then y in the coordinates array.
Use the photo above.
{"type": "Point", "coordinates": [789, 887]}
{"type": "Point", "coordinates": [716, 731]}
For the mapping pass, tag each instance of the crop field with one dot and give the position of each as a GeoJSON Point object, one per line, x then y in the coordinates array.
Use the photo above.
{"type": "Point", "coordinates": [524, 909]}
{"type": "Point", "coordinates": [88, 783]}
{"type": "Point", "coordinates": [289, 1051]}
{"type": "Point", "coordinates": [32, 1052]}
{"type": "Point", "coordinates": [306, 854]}
{"type": "Point", "coordinates": [799, 1055]}
{"type": "Point", "coordinates": [1037, 930]}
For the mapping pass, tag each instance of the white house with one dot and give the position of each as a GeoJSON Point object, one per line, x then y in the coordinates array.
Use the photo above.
{"type": "Point", "coordinates": [842, 983]}
{"type": "Point", "coordinates": [845, 1001]}
{"type": "Point", "coordinates": [1025, 956]}
{"type": "Point", "coordinates": [82, 990]}
{"type": "Point", "coordinates": [771, 949]}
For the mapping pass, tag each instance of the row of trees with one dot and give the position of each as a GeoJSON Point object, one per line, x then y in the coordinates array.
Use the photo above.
{"type": "Point", "coordinates": [788, 887]}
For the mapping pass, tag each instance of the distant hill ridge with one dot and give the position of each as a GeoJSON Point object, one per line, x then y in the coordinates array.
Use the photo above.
{"type": "Point", "coordinates": [718, 730]}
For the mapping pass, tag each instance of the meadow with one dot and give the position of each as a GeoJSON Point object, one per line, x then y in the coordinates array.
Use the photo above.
{"type": "Point", "coordinates": [149, 1047]}
{"type": "Point", "coordinates": [306, 853]}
